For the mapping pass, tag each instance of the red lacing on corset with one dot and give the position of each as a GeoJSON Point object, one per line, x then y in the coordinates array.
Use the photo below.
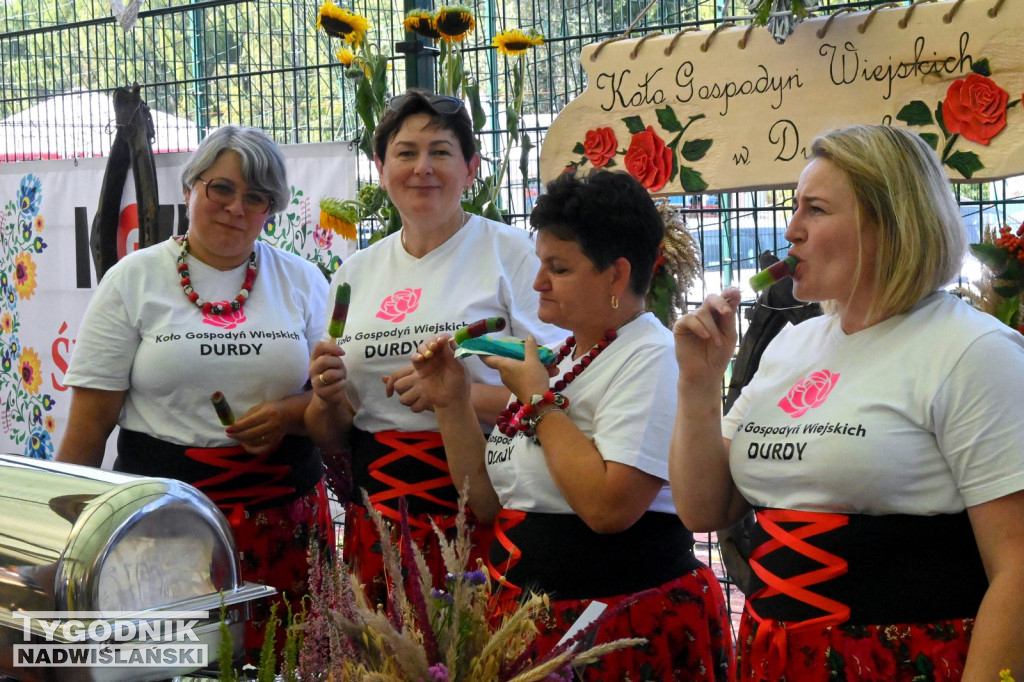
{"type": "Point", "coordinates": [769, 646]}
{"type": "Point", "coordinates": [413, 444]}
{"type": "Point", "coordinates": [509, 593]}
{"type": "Point", "coordinates": [224, 458]}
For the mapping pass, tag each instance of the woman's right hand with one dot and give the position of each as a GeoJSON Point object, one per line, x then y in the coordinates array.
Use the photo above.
{"type": "Point", "coordinates": [327, 372]}
{"type": "Point", "coordinates": [443, 381]}
{"type": "Point", "coordinates": [706, 338]}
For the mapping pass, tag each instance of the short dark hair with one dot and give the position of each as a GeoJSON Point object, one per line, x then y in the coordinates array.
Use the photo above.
{"type": "Point", "coordinates": [459, 123]}
{"type": "Point", "coordinates": [610, 215]}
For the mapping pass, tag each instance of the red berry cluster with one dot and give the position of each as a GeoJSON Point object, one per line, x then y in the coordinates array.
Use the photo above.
{"type": "Point", "coordinates": [1012, 241]}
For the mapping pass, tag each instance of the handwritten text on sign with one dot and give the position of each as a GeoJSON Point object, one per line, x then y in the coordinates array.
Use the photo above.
{"type": "Point", "coordinates": [701, 112]}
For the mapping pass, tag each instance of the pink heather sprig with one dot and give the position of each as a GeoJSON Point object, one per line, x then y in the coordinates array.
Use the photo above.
{"type": "Point", "coordinates": [415, 591]}
{"type": "Point", "coordinates": [565, 674]}
{"type": "Point", "coordinates": [315, 655]}
{"type": "Point", "coordinates": [439, 673]}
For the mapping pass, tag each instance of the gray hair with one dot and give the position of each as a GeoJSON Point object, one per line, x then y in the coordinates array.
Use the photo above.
{"type": "Point", "coordinates": [262, 162]}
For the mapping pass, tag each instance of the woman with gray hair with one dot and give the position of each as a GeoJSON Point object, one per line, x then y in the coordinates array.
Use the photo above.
{"type": "Point", "coordinates": [879, 445]}
{"type": "Point", "coordinates": [214, 310]}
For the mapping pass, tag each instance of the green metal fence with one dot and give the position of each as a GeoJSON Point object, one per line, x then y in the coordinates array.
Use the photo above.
{"type": "Point", "coordinates": [262, 63]}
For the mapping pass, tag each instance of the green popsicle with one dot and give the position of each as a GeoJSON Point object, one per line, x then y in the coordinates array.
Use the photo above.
{"type": "Point", "coordinates": [773, 273]}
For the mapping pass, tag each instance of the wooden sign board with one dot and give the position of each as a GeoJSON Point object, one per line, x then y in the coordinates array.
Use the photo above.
{"type": "Point", "coordinates": [732, 109]}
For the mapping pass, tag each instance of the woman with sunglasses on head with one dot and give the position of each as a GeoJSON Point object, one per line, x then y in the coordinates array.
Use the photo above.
{"type": "Point", "coordinates": [214, 310]}
{"type": "Point", "coordinates": [576, 473]}
{"type": "Point", "coordinates": [879, 445]}
{"type": "Point", "coordinates": [445, 269]}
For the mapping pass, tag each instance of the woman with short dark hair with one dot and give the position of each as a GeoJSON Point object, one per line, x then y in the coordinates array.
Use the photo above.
{"type": "Point", "coordinates": [575, 475]}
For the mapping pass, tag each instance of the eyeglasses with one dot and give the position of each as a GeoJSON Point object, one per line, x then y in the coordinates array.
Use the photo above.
{"type": "Point", "coordinates": [221, 191]}
{"type": "Point", "coordinates": [441, 104]}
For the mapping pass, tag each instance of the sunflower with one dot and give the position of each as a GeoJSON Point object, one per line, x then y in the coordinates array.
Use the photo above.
{"type": "Point", "coordinates": [25, 275]}
{"type": "Point", "coordinates": [30, 371]}
{"type": "Point", "coordinates": [341, 23]}
{"type": "Point", "coordinates": [7, 323]}
{"type": "Point", "coordinates": [515, 43]}
{"type": "Point", "coordinates": [422, 23]}
{"type": "Point", "coordinates": [345, 56]}
{"type": "Point", "coordinates": [454, 23]}
{"type": "Point", "coordinates": [335, 215]}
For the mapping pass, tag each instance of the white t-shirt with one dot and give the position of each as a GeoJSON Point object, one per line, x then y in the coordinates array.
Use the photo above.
{"type": "Point", "coordinates": [625, 401]}
{"type": "Point", "coordinates": [141, 333]}
{"type": "Point", "coordinates": [919, 414]}
{"type": "Point", "coordinates": [486, 269]}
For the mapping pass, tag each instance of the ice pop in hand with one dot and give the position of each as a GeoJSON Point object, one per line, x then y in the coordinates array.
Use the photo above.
{"type": "Point", "coordinates": [342, 296]}
{"type": "Point", "coordinates": [224, 413]}
{"type": "Point", "coordinates": [773, 273]}
{"type": "Point", "coordinates": [479, 328]}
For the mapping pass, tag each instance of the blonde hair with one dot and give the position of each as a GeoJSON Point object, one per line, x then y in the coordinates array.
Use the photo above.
{"type": "Point", "coordinates": [900, 186]}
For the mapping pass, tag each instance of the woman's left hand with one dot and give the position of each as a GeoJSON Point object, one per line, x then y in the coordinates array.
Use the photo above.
{"type": "Point", "coordinates": [261, 429]}
{"type": "Point", "coordinates": [525, 378]}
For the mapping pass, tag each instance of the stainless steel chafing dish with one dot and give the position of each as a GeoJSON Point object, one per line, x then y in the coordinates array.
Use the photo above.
{"type": "Point", "coordinates": [81, 540]}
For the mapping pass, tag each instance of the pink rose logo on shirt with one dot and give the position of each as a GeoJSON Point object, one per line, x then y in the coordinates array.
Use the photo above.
{"type": "Point", "coordinates": [399, 304]}
{"type": "Point", "coordinates": [228, 320]}
{"type": "Point", "coordinates": [809, 392]}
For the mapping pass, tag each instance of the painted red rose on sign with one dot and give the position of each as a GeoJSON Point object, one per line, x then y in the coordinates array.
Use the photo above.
{"type": "Point", "coordinates": [599, 146]}
{"type": "Point", "coordinates": [229, 320]}
{"type": "Point", "coordinates": [809, 392]}
{"type": "Point", "coordinates": [649, 160]}
{"type": "Point", "coordinates": [975, 107]}
{"type": "Point", "coordinates": [395, 307]}
{"type": "Point", "coordinates": [867, 660]}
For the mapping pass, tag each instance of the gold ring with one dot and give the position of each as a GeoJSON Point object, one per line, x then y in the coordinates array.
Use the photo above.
{"type": "Point", "coordinates": [323, 382]}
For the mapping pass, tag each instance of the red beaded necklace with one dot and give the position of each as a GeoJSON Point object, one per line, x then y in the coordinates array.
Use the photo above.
{"type": "Point", "coordinates": [510, 420]}
{"type": "Point", "coordinates": [223, 306]}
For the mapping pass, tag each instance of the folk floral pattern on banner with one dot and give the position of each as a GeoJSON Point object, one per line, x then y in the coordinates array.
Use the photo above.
{"type": "Point", "coordinates": [974, 108]}
{"type": "Point", "coordinates": [24, 405]}
{"type": "Point", "coordinates": [294, 227]}
{"type": "Point", "coordinates": [648, 158]}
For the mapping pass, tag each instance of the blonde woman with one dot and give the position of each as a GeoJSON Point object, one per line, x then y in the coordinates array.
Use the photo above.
{"type": "Point", "coordinates": [879, 444]}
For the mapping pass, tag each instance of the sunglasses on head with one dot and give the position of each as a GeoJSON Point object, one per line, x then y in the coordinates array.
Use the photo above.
{"type": "Point", "coordinates": [441, 104]}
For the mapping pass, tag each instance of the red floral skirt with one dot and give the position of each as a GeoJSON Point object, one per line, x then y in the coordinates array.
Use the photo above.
{"type": "Point", "coordinates": [685, 624]}
{"type": "Point", "coordinates": [362, 549]}
{"type": "Point", "coordinates": [274, 547]}
{"type": "Point", "coordinates": [856, 653]}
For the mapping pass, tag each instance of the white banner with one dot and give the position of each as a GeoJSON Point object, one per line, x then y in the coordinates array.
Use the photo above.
{"type": "Point", "coordinates": [47, 274]}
